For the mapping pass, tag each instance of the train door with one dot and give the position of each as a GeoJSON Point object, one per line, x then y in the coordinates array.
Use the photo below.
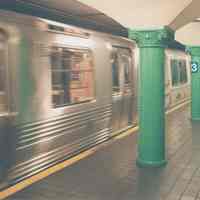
{"type": "Point", "coordinates": [167, 84]}
{"type": "Point", "coordinates": [179, 76]}
{"type": "Point", "coordinates": [127, 102]}
{"type": "Point", "coordinates": [122, 93]}
{"type": "Point", "coordinates": [4, 108]}
{"type": "Point", "coordinates": [3, 75]}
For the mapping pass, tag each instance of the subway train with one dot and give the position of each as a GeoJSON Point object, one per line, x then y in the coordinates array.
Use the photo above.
{"type": "Point", "coordinates": [64, 89]}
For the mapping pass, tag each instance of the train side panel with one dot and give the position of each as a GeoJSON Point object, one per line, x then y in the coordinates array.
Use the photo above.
{"type": "Point", "coordinates": [51, 75]}
{"type": "Point", "coordinates": [46, 134]}
{"type": "Point", "coordinates": [178, 77]}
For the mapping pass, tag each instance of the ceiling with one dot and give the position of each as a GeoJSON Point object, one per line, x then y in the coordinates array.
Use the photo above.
{"type": "Point", "coordinates": [188, 14]}
{"type": "Point", "coordinates": [141, 13]}
{"type": "Point", "coordinates": [180, 15]}
{"type": "Point", "coordinates": [189, 34]}
{"type": "Point", "coordinates": [114, 16]}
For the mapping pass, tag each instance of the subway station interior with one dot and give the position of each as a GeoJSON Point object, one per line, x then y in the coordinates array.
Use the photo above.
{"type": "Point", "coordinates": [99, 100]}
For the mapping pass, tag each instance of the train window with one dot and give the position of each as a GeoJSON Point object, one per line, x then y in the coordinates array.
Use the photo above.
{"type": "Point", "coordinates": [183, 71]}
{"type": "Point", "coordinates": [121, 69]}
{"type": "Point", "coordinates": [174, 72]}
{"type": "Point", "coordinates": [72, 76]}
{"type": "Point", "coordinates": [3, 75]}
{"type": "Point", "coordinates": [178, 71]}
{"type": "Point", "coordinates": [115, 73]}
{"type": "Point", "coordinates": [127, 66]}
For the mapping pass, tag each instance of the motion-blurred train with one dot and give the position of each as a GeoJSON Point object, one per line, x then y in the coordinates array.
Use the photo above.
{"type": "Point", "coordinates": [64, 89]}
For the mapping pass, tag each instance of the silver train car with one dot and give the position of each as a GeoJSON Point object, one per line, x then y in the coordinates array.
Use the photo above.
{"type": "Point", "coordinates": [64, 89]}
{"type": "Point", "coordinates": [57, 96]}
{"type": "Point", "coordinates": [177, 78]}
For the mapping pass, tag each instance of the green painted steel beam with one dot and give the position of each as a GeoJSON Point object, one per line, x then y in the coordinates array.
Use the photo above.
{"type": "Point", "coordinates": [195, 82]}
{"type": "Point", "coordinates": [151, 142]}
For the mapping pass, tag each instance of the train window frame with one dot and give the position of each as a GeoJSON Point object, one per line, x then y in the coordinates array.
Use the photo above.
{"type": "Point", "coordinates": [93, 81]}
{"type": "Point", "coordinates": [175, 82]}
{"type": "Point", "coordinates": [183, 73]}
{"type": "Point", "coordinates": [5, 91]}
{"type": "Point", "coordinates": [179, 71]}
{"type": "Point", "coordinates": [116, 88]}
{"type": "Point", "coordinates": [123, 88]}
{"type": "Point", "coordinates": [129, 59]}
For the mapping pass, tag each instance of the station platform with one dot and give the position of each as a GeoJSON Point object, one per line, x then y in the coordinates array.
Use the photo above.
{"type": "Point", "coordinates": [110, 172]}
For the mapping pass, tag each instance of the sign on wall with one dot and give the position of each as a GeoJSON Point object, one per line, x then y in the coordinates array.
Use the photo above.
{"type": "Point", "coordinates": [194, 67]}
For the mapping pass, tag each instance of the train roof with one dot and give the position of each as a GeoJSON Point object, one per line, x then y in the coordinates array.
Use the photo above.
{"type": "Point", "coordinates": [58, 27]}
{"type": "Point", "coordinates": [69, 12]}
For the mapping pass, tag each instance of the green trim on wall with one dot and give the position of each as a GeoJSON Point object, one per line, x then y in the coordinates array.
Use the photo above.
{"type": "Point", "coordinates": [195, 83]}
{"type": "Point", "coordinates": [193, 50]}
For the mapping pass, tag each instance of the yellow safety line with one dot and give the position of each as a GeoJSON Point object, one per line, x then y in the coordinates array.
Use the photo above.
{"type": "Point", "coordinates": [126, 133]}
{"type": "Point", "coordinates": [29, 181]}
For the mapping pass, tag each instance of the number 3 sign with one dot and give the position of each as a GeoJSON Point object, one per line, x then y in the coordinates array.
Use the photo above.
{"type": "Point", "coordinates": [195, 67]}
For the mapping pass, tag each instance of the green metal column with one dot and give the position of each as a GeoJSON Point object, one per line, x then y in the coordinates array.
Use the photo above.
{"type": "Point", "coordinates": [195, 82]}
{"type": "Point", "coordinates": [151, 143]}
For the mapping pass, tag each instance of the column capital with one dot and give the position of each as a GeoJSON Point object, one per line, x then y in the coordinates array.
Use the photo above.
{"type": "Point", "coordinates": [152, 37]}
{"type": "Point", "coordinates": [193, 50]}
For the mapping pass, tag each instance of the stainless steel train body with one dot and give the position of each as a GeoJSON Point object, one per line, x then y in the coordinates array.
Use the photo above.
{"type": "Point", "coordinates": [57, 97]}
{"type": "Point", "coordinates": [62, 90]}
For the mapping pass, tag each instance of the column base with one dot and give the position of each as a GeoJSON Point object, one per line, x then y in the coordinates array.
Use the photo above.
{"type": "Point", "coordinates": [143, 163]}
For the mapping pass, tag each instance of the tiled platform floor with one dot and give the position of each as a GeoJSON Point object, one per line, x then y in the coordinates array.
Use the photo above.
{"type": "Point", "coordinates": [111, 173]}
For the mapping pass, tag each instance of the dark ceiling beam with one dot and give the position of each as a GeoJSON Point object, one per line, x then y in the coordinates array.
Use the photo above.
{"type": "Point", "coordinates": [189, 14]}
{"type": "Point", "coordinates": [90, 14]}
